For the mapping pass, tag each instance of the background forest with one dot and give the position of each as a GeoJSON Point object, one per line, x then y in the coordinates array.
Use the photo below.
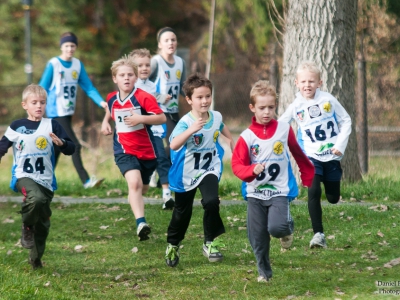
{"type": "Point", "coordinates": [244, 44]}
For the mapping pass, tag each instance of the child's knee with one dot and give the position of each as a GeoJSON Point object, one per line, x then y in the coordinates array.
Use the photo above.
{"type": "Point", "coordinates": [333, 199]}
{"type": "Point", "coordinates": [212, 203]}
{"type": "Point", "coordinates": [280, 230]}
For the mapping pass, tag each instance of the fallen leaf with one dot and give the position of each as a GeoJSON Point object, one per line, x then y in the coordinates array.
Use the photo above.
{"type": "Point", "coordinates": [114, 191]}
{"type": "Point", "coordinates": [379, 207]}
{"type": "Point", "coordinates": [341, 213]}
{"type": "Point", "coordinates": [380, 234]}
{"type": "Point", "coordinates": [330, 237]}
{"type": "Point", "coordinates": [104, 227]}
{"type": "Point", "coordinates": [84, 219]}
{"type": "Point", "coordinates": [134, 250]}
{"type": "Point", "coordinates": [9, 252]}
{"type": "Point", "coordinates": [78, 248]}
{"type": "Point", "coordinates": [7, 220]}
{"type": "Point", "coordinates": [47, 284]}
{"type": "Point", "coordinates": [242, 228]}
{"type": "Point", "coordinates": [118, 276]}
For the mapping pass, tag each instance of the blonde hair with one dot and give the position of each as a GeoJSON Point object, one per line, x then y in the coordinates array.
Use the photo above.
{"type": "Point", "coordinates": [261, 88]}
{"type": "Point", "coordinates": [33, 89]}
{"type": "Point", "coordinates": [140, 53]}
{"type": "Point", "coordinates": [308, 65]}
{"type": "Point", "coordinates": [123, 61]}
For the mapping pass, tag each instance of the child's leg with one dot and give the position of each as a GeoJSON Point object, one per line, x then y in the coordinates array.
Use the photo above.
{"type": "Point", "coordinates": [212, 222]}
{"type": "Point", "coordinates": [257, 232]}
{"type": "Point", "coordinates": [181, 216]}
{"type": "Point", "coordinates": [314, 204]}
{"type": "Point", "coordinates": [135, 186]}
{"type": "Point", "coordinates": [332, 191]}
{"type": "Point", "coordinates": [280, 222]}
{"type": "Point", "coordinates": [36, 212]}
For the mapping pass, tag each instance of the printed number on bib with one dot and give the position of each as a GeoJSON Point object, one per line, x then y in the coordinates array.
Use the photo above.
{"type": "Point", "coordinates": [39, 166]}
{"type": "Point", "coordinates": [120, 115]}
{"type": "Point", "coordinates": [69, 92]}
{"type": "Point", "coordinates": [173, 91]}
{"type": "Point", "coordinates": [320, 134]}
{"type": "Point", "coordinates": [207, 157]}
{"type": "Point", "coordinates": [273, 171]}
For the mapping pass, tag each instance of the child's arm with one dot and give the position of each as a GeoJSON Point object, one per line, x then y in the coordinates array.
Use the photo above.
{"type": "Point", "coordinates": [287, 116]}
{"type": "Point", "coordinates": [89, 89]}
{"type": "Point", "coordinates": [306, 167]}
{"type": "Point", "coordinates": [178, 141]}
{"type": "Point", "coordinates": [61, 139]}
{"type": "Point", "coordinates": [344, 123]}
{"type": "Point", "coordinates": [241, 165]}
{"type": "Point", "coordinates": [225, 132]}
{"type": "Point", "coordinates": [136, 119]}
{"type": "Point", "coordinates": [105, 125]}
{"type": "Point", "coordinates": [5, 143]}
{"type": "Point", "coordinates": [162, 98]}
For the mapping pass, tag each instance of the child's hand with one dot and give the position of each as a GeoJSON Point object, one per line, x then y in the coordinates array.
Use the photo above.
{"type": "Point", "coordinates": [199, 124]}
{"type": "Point", "coordinates": [258, 168]}
{"type": "Point", "coordinates": [167, 98]}
{"type": "Point", "coordinates": [103, 104]}
{"type": "Point", "coordinates": [56, 140]}
{"type": "Point", "coordinates": [336, 152]}
{"type": "Point", "coordinates": [133, 120]}
{"type": "Point", "coordinates": [106, 128]}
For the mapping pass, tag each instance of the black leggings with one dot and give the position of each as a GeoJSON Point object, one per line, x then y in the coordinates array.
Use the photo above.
{"type": "Point", "coordinates": [65, 122]}
{"type": "Point", "coordinates": [332, 192]}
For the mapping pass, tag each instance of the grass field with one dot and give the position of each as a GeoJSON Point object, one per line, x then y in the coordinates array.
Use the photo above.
{"type": "Point", "coordinates": [113, 264]}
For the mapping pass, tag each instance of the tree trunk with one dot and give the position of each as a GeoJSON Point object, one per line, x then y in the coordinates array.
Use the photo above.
{"type": "Point", "coordinates": [324, 32]}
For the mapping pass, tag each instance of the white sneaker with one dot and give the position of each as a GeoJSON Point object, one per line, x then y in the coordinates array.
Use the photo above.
{"type": "Point", "coordinates": [153, 180]}
{"type": "Point", "coordinates": [286, 241]}
{"type": "Point", "coordinates": [318, 241]}
{"type": "Point", "coordinates": [93, 182]}
{"type": "Point", "coordinates": [262, 279]}
{"type": "Point", "coordinates": [143, 231]}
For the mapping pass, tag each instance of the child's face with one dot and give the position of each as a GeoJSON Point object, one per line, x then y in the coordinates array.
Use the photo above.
{"type": "Point", "coordinates": [35, 107]}
{"type": "Point", "coordinates": [125, 79]}
{"type": "Point", "coordinates": [308, 82]}
{"type": "Point", "coordinates": [143, 64]}
{"type": "Point", "coordinates": [168, 43]}
{"type": "Point", "coordinates": [201, 100]}
{"type": "Point", "coordinates": [67, 50]}
{"type": "Point", "coordinates": [264, 108]}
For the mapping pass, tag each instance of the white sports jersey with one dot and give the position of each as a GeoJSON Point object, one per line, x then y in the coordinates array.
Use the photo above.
{"type": "Point", "coordinates": [33, 156]}
{"type": "Point", "coordinates": [323, 124]}
{"type": "Point", "coordinates": [277, 178]}
{"type": "Point", "coordinates": [200, 155]}
{"type": "Point", "coordinates": [168, 81]}
{"type": "Point", "coordinates": [150, 87]}
{"type": "Point", "coordinates": [64, 86]}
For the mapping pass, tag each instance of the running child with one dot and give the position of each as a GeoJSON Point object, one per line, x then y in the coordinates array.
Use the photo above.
{"type": "Point", "coordinates": [261, 160]}
{"type": "Point", "coordinates": [196, 164]}
{"type": "Point", "coordinates": [141, 57]}
{"type": "Point", "coordinates": [324, 130]}
{"type": "Point", "coordinates": [133, 111]}
{"type": "Point", "coordinates": [60, 79]}
{"type": "Point", "coordinates": [34, 141]}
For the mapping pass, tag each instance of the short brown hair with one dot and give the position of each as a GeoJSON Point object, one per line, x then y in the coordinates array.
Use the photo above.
{"type": "Point", "coordinates": [140, 53]}
{"type": "Point", "coordinates": [33, 89]}
{"type": "Point", "coordinates": [261, 88]}
{"type": "Point", "coordinates": [195, 81]}
{"type": "Point", "coordinates": [123, 61]}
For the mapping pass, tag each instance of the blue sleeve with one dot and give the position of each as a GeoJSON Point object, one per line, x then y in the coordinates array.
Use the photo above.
{"type": "Point", "coordinates": [4, 145]}
{"type": "Point", "coordinates": [179, 128]}
{"type": "Point", "coordinates": [47, 77]}
{"type": "Point", "coordinates": [69, 147]}
{"type": "Point", "coordinates": [221, 127]}
{"type": "Point", "coordinates": [88, 87]}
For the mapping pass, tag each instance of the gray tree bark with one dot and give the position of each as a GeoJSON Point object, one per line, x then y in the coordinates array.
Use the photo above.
{"type": "Point", "coordinates": [324, 31]}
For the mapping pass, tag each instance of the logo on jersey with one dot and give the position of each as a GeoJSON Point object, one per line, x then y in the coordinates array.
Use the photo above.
{"type": "Point", "coordinates": [41, 143]}
{"type": "Point", "coordinates": [21, 145]}
{"type": "Point", "coordinates": [278, 148]}
{"type": "Point", "coordinates": [266, 187]}
{"type": "Point", "coordinates": [255, 149]}
{"type": "Point", "coordinates": [325, 147]}
{"type": "Point", "coordinates": [178, 74]}
{"type": "Point", "coordinates": [327, 107]}
{"type": "Point", "coordinates": [300, 115]}
{"type": "Point", "coordinates": [167, 75]}
{"type": "Point", "coordinates": [215, 136]}
{"type": "Point", "coordinates": [198, 139]}
{"type": "Point", "coordinates": [62, 75]}
{"type": "Point", "coordinates": [314, 111]}
{"type": "Point", "coordinates": [74, 75]}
